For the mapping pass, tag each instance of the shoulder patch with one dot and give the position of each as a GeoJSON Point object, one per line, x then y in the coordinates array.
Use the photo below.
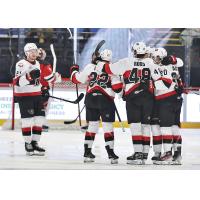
{"type": "Point", "coordinates": [20, 64]}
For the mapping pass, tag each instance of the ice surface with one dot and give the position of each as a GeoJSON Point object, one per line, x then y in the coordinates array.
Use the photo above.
{"type": "Point", "coordinates": [65, 151]}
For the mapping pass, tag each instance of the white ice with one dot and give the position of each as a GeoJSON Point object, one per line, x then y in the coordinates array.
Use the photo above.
{"type": "Point", "coordinates": [65, 151]}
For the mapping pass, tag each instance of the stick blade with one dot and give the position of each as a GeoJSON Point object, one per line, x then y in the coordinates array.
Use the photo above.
{"type": "Point", "coordinates": [70, 122]}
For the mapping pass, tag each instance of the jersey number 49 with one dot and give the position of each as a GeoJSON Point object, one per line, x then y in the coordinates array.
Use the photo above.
{"type": "Point", "coordinates": [139, 74]}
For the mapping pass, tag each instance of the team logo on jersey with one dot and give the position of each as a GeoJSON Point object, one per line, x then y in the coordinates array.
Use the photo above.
{"type": "Point", "coordinates": [20, 64]}
{"type": "Point", "coordinates": [138, 91]}
{"type": "Point", "coordinates": [30, 111]}
{"type": "Point", "coordinates": [174, 68]}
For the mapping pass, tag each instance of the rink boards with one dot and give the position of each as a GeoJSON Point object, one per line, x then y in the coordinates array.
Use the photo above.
{"type": "Point", "coordinates": [59, 110]}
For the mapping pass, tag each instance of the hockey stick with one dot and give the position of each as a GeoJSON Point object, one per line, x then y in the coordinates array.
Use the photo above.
{"type": "Point", "coordinates": [74, 62]}
{"type": "Point", "coordinates": [54, 57]}
{"type": "Point", "coordinates": [80, 97]}
{"type": "Point", "coordinates": [119, 118]}
{"type": "Point", "coordinates": [101, 43]}
{"type": "Point", "coordinates": [54, 62]}
{"type": "Point", "coordinates": [73, 121]}
{"type": "Point", "coordinates": [71, 36]}
{"type": "Point", "coordinates": [96, 52]}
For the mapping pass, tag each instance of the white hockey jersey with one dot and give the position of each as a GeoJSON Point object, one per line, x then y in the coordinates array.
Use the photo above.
{"type": "Point", "coordinates": [97, 80]}
{"type": "Point", "coordinates": [22, 86]}
{"type": "Point", "coordinates": [170, 75]}
{"type": "Point", "coordinates": [133, 71]}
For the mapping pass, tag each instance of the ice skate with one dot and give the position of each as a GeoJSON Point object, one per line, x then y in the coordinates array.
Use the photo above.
{"type": "Point", "coordinates": [135, 159]}
{"type": "Point", "coordinates": [112, 156]}
{"type": "Point", "coordinates": [156, 157]}
{"type": "Point", "coordinates": [177, 157]}
{"type": "Point", "coordinates": [165, 159]}
{"type": "Point", "coordinates": [144, 158]}
{"type": "Point", "coordinates": [89, 157]}
{"type": "Point", "coordinates": [39, 151]}
{"type": "Point", "coordinates": [29, 149]}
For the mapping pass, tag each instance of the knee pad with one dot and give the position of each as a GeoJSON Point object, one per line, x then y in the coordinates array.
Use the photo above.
{"type": "Point", "coordinates": [175, 130]}
{"type": "Point", "coordinates": [136, 128]}
{"type": "Point", "coordinates": [39, 120]}
{"type": "Point", "coordinates": [93, 126]}
{"type": "Point", "coordinates": [146, 129]}
{"type": "Point", "coordinates": [155, 129]}
{"type": "Point", "coordinates": [107, 126]}
{"type": "Point", "coordinates": [166, 130]}
{"type": "Point", "coordinates": [27, 122]}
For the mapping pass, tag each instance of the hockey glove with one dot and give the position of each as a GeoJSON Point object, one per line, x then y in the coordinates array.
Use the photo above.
{"type": "Point", "coordinates": [41, 54]}
{"type": "Point", "coordinates": [74, 68]}
{"type": "Point", "coordinates": [96, 58]}
{"type": "Point", "coordinates": [34, 74]}
{"type": "Point", "coordinates": [45, 91]}
{"type": "Point", "coordinates": [169, 60]}
{"type": "Point", "coordinates": [179, 89]}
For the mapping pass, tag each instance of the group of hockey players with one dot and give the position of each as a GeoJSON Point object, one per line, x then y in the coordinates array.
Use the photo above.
{"type": "Point", "coordinates": [150, 84]}
{"type": "Point", "coordinates": [148, 81]}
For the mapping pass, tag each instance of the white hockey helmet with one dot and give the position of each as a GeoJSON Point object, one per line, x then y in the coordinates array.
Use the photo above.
{"type": "Point", "coordinates": [139, 48]}
{"type": "Point", "coordinates": [150, 50]}
{"type": "Point", "coordinates": [30, 46]}
{"type": "Point", "coordinates": [159, 52]}
{"type": "Point", "coordinates": [106, 55]}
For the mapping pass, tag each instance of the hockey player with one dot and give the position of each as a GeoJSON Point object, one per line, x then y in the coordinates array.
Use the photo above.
{"type": "Point", "coordinates": [94, 60]}
{"type": "Point", "coordinates": [99, 102]}
{"type": "Point", "coordinates": [158, 55]}
{"type": "Point", "coordinates": [47, 79]}
{"type": "Point", "coordinates": [27, 90]}
{"type": "Point", "coordinates": [138, 74]}
{"type": "Point", "coordinates": [169, 102]}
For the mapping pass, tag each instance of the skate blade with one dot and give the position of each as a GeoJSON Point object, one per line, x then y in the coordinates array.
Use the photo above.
{"type": "Point", "coordinates": [29, 153]}
{"type": "Point", "coordinates": [36, 153]}
{"type": "Point", "coordinates": [134, 162]}
{"type": "Point", "coordinates": [88, 160]}
{"type": "Point", "coordinates": [157, 162]}
{"type": "Point", "coordinates": [169, 162]}
{"type": "Point", "coordinates": [45, 130]}
{"type": "Point", "coordinates": [176, 163]}
{"type": "Point", "coordinates": [114, 161]}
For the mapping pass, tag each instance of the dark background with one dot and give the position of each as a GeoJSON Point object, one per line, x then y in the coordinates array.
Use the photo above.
{"type": "Point", "coordinates": [12, 42]}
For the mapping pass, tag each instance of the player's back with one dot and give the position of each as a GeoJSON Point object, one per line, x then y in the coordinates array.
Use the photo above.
{"type": "Point", "coordinates": [99, 81]}
{"type": "Point", "coordinates": [137, 70]}
{"type": "Point", "coordinates": [169, 76]}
